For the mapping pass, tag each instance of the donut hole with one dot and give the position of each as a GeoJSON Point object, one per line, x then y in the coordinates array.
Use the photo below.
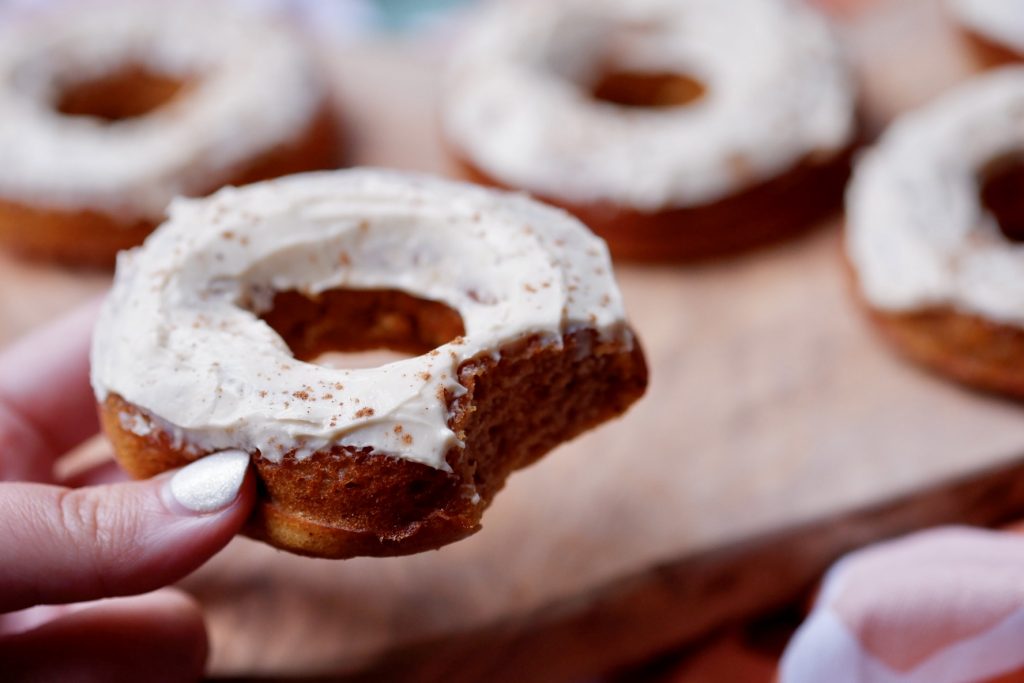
{"type": "Point", "coordinates": [353, 328]}
{"type": "Point", "coordinates": [1002, 194]}
{"type": "Point", "coordinates": [610, 60]}
{"type": "Point", "coordinates": [130, 92]}
{"type": "Point", "coordinates": [628, 88]}
{"type": "Point", "coordinates": [354, 360]}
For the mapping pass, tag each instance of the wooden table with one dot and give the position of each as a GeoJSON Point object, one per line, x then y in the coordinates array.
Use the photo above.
{"type": "Point", "coordinates": [778, 432]}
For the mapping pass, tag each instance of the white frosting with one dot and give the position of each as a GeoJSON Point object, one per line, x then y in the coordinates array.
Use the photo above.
{"type": "Point", "coordinates": [252, 87]}
{"type": "Point", "coordinates": [518, 105]}
{"type": "Point", "coordinates": [1001, 21]}
{"type": "Point", "coordinates": [174, 339]}
{"type": "Point", "coordinates": [917, 233]}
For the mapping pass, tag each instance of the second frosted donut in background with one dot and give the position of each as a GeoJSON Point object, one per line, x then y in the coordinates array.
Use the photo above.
{"type": "Point", "coordinates": [109, 109]}
{"type": "Point", "coordinates": [995, 28]}
{"type": "Point", "coordinates": [935, 221]}
{"type": "Point", "coordinates": [676, 129]}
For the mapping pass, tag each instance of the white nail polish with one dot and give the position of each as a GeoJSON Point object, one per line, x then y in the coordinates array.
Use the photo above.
{"type": "Point", "coordinates": [211, 482]}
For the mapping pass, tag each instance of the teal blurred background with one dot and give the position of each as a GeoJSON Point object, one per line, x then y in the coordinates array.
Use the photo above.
{"type": "Point", "coordinates": [399, 15]}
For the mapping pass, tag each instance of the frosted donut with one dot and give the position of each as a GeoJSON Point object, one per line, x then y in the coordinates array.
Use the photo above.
{"type": "Point", "coordinates": [110, 109]}
{"type": "Point", "coordinates": [935, 214]}
{"type": "Point", "coordinates": [995, 28]}
{"type": "Point", "coordinates": [675, 129]}
{"type": "Point", "coordinates": [205, 341]}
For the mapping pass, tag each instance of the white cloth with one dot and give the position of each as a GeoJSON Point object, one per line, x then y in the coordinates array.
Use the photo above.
{"type": "Point", "coordinates": [942, 606]}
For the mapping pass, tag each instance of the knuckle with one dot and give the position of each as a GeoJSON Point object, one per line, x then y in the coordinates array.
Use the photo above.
{"type": "Point", "coordinates": [81, 519]}
{"type": "Point", "coordinates": [87, 525]}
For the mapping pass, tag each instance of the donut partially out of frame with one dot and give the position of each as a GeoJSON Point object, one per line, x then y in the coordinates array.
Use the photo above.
{"type": "Point", "coordinates": [109, 109]}
{"type": "Point", "coordinates": [207, 340]}
{"type": "Point", "coordinates": [993, 28]}
{"type": "Point", "coordinates": [935, 220]}
{"type": "Point", "coordinates": [675, 129]}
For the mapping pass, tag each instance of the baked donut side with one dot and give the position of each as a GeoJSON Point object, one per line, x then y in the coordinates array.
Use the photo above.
{"type": "Point", "coordinates": [935, 217]}
{"type": "Point", "coordinates": [212, 334]}
{"type": "Point", "coordinates": [762, 215]}
{"type": "Point", "coordinates": [969, 348]}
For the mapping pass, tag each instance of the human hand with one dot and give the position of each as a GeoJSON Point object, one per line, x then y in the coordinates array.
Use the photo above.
{"type": "Point", "coordinates": [62, 546]}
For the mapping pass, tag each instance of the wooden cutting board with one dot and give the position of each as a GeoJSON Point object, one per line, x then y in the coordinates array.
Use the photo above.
{"type": "Point", "coordinates": [778, 432]}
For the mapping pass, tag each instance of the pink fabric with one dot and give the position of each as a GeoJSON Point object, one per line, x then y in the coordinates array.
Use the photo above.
{"type": "Point", "coordinates": [844, 8]}
{"type": "Point", "coordinates": [942, 606]}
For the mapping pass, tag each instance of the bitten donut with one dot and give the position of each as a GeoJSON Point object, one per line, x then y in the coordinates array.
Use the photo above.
{"type": "Point", "coordinates": [995, 28]}
{"type": "Point", "coordinates": [935, 217]}
{"type": "Point", "coordinates": [109, 109]}
{"type": "Point", "coordinates": [675, 129]}
{"type": "Point", "coordinates": [206, 341]}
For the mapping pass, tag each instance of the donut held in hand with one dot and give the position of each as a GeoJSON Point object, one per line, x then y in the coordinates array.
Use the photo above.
{"type": "Point", "coordinates": [509, 307]}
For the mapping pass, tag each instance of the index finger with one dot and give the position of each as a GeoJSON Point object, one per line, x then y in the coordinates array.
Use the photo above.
{"type": "Point", "coordinates": [46, 404]}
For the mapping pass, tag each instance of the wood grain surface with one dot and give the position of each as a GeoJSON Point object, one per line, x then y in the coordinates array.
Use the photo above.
{"type": "Point", "coordinates": [778, 432]}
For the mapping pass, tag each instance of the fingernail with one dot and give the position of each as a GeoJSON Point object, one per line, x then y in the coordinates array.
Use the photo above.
{"type": "Point", "coordinates": [211, 483]}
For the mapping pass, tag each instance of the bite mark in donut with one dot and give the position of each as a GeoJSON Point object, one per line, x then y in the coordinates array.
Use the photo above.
{"type": "Point", "coordinates": [201, 346]}
{"type": "Point", "coordinates": [344, 502]}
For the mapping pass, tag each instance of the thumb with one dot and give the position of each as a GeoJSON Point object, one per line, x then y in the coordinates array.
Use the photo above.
{"type": "Point", "coordinates": [67, 545]}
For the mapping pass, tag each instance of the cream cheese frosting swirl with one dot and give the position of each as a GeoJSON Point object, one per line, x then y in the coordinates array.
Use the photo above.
{"type": "Point", "coordinates": [180, 335]}
{"type": "Point", "coordinates": [1001, 21]}
{"type": "Point", "coordinates": [250, 86]}
{"type": "Point", "coordinates": [917, 232]}
{"type": "Point", "coordinates": [518, 105]}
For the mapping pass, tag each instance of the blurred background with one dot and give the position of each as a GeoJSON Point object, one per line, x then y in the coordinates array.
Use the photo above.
{"type": "Point", "coordinates": [679, 544]}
